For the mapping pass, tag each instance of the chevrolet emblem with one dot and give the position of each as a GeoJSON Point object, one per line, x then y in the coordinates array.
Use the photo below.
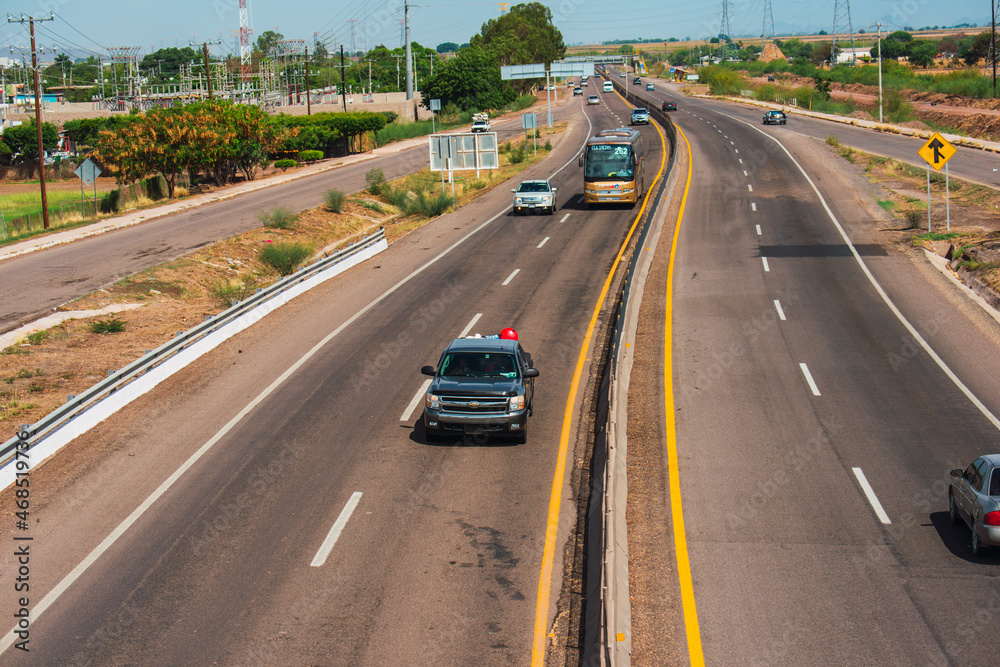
{"type": "Point", "coordinates": [474, 404]}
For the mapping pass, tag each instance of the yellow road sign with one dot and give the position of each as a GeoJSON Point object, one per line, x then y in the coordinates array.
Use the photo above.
{"type": "Point", "coordinates": [937, 151]}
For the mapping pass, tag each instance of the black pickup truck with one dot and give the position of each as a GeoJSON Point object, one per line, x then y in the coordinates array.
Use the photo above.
{"type": "Point", "coordinates": [482, 386]}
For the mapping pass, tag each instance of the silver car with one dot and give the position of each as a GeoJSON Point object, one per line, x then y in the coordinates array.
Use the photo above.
{"type": "Point", "coordinates": [534, 196]}
{"type": "Point", "coordinates": [974, 497]}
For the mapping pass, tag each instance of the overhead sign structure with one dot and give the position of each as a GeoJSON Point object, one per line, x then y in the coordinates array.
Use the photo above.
{"type": "Point", "coordinates": [937, 151]}
{"type": "Point", "coordinates": [572, 69]}
{"type": "Point", "coordinates": [533, 71]}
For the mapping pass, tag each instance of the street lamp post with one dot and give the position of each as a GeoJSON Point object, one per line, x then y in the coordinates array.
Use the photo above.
{"type": "Point", "coordinates": [879, 26]}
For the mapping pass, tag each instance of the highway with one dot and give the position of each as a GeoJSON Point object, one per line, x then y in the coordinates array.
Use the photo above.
{"type": "Point", "coordinates": [309, 521]}
{"type": "Point", "coordinates": [814, 432]}
{"type": "Point", "coordinates": [49, 278]}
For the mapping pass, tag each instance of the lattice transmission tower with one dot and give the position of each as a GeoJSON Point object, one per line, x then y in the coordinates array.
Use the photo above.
{"type": "Point", "coordinates": [768, 28]}
{"type": "Point", "coordinates": [725, 30]}
{"type": "Point", "coordinates": [246, 50]}
{"type": "Point", "coordinates": [842, 23]}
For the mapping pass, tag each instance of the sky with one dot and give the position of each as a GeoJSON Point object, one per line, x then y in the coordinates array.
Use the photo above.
{"type": "Point", "coordinates": [85, 27]}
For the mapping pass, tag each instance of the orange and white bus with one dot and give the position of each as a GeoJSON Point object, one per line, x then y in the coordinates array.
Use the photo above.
{"type": "Point", "coordinates": [613, 167]}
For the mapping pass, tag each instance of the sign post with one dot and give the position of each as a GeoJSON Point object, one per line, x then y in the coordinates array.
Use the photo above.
{"type": "Point", "coordinates": [435, 106]}
{"type": "Point", "coordinates": [936, 153]}
{"type": "Point", "coordinates": [88, 173]}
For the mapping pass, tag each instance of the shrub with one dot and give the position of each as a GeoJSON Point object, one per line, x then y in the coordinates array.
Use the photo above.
{"type": "Point", "coordinates": [914, 217]}
{"type": "Point", "coordinates": [431, 206]}
{"type": "Point", "coordinates": [228, 290]}
{"type": "Point", "coordinates": [399, 198]}
{"type": "Point", "coordinates": [156, 187]}
{"type": "Point", "coordinates": [371, 205]}
{"type": "Point", "coordinates": [832, 140]}
{"type": "Point", "coordinates": [375, 181]}
{"type": "Point", "coordinates": [334, 200]}
{"type": "Point", "coordinates": [110, 325]}
{"type": "Point", "coordinates": [390, 116]}
{"type": "Point", "coordinates": [548, 145]}
{"type": "Point", "coordinates": [112, 202]}
{"type": "Point", "coordinates": [279, 217]}
{"type": "Point", "coordinates": [477, 184]}
{"type": "Point", "coordinates": [517, 156]}
{"type": "Point", "coordinates": [310, 156]}
{"type": "Point", "coordinates": [284, 164]}
{"type": "Point", "coordinates": [284, 258]}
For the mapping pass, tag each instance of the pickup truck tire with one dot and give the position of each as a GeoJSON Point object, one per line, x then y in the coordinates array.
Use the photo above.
{"type": "Point", "coordinates": [522, 437]}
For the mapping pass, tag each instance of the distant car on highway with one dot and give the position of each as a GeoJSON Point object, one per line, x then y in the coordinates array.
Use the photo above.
{"type": "Point", "coordinates": [593, 99]}
{"type": "Point", "coordinates": [578, 91]}
{"type": "Point", "coordinates": [669, 106]}
{"type": "Point", "coordinates": [650, 86]}
{"type": "Point", "coordinates": [538, 195]}
{"type": "Point", "coordinates": [584, 83]}
{"type": "Point", "coordinates": [775, 117]}
{"type": "Point", "coordinates": [640, 116]}
{"type": "Point", "coordinates": [621, 74]}
{"type": "Point", "coordinates": [637, 81]}
{"type": "Point", "coordinates": [974, 498]}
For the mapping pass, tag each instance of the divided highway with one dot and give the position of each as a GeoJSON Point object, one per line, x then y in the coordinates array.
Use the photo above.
{"type": "Point", "coordinates": [814, 432]}
{"type": "Point", "coordinates": [309, 521]}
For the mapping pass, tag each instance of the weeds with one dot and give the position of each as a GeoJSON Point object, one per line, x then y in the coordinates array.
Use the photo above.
{"type": "Point", "coordinates": [375, 181]}
{"type": "Point", "coordinates": [226, 291]}
{"type": "Point", "coordinates": [284, 258]}
{"type": "Point", "coordinates": [334, 200]}
{"type": "Point", "coordinates": [279, 217]}
{"type": "Point", "coordinates": [847, 153]}
{"type": "Point", "coordinates": [832, 140]}
{"type": "Point", "coordinates": [371, 205]}
{"type": "Point", "coordinates": [886, 204]}
{"type": "Point", "coordinates": [110, 325]}
{"type": "Point", "coordinates": [37, 337]}
{"type": "Point", "coordinates": [914, 217]}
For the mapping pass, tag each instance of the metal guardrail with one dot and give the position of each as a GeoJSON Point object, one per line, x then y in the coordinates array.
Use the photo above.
{"type": "Point", "coordinates": [615, 609]}
{"type": "Point", "coordinates": [33, 433]}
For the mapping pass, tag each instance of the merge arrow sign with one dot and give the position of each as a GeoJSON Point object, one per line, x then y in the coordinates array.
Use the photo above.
{"type": "Point", "coordinates": [937, 151]}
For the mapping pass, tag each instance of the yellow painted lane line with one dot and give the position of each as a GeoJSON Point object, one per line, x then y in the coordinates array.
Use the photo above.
{"type": "Point", "coordinates": [691, 628]}
{"type": "Point", "coordinates": [555, 496]}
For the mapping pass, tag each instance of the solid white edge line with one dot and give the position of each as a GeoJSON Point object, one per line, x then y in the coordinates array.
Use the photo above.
{"type": "Point", "coordinates": [511, 276]}
{"type": "Point", "coordinates": [566, 217]}
{"type": "Point", "coordinates": [106, 543]}
{"type": "Point", "coordinates": [759, 232]}
{"type": "Point", "coordinates": [781, 311]}
{"type": "Point", "coordinates": [809, 379]}
{"type": "Point", "coordinates": [767, 267]}
{"type": "Point", "coordinates": [468, 327]}
{"type": "Point", "coordinates": [872, 498]}
{"type": "Point", "coordinates": [543, 242]}
{"type": "Point", "coordinates": [338, 527]}
{"type": "Point", "coordinates": [415, 401]}
{"type": "Point", "coordinates": [881, 292]}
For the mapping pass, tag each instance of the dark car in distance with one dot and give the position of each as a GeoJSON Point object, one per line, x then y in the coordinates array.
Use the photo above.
{"type": "Point", "coordinates": [775, 117]}
{"type": "Point", "coordinates": [669, 106]}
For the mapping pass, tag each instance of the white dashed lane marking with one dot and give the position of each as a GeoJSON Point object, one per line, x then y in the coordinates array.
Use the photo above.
{"type": "Point", "coordinates": [809, 379]}
{"type": "Point", "coordinates": [511, 276]}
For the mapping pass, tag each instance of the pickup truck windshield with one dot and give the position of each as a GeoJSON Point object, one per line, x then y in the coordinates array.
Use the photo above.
{"type": "Point", "coordinates": [479, 364]}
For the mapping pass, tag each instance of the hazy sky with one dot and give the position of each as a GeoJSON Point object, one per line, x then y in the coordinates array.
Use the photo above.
{"type": "Point", "coordinates": [92, 25]}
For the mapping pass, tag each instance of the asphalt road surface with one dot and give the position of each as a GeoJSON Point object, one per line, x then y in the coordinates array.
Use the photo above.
{"type": "Point", "coordinates": [308, 424]}
{"type": "Point", "coordinates": [49, 278]}
{"type": "Point", "coordinates": [814, 434]}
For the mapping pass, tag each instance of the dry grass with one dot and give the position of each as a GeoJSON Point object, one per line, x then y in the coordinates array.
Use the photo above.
{"type": "Point", "coordinates": [179, 294]}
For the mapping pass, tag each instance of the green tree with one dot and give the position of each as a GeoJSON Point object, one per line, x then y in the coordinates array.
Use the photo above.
{"type": "Point", "coordinates": [525, 34]}
{"type": "Point", "coordinates": [23, 139]}
{"type": "Point", "coordinates": [822, 87]}
{"type": "Point", "coordinates": [821, 53]}
{"type": "Point", "coordinates": [470, 81]}
{"type": "Point", "coordinates": [921, 52]}
{"type": "Point", "coordinates": [267, 41]}
{"type": "Point", "coordinates": [977, 49]}
{"type": "Point", "coordinates": [891, 50]}
{"type": "Point", "coordinates": [165, 64]}
{"type": "Point", "coordinates": [62, 58]}
{"type": "Point", "coordinates": [447, 47]}
{"type": "Point", "coordinates": [900, 36]}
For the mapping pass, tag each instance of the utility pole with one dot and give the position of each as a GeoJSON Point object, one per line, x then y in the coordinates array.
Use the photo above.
{"type": "Point", "coordinates": [308, 102]}
{"type": "Point", "coordinates": [409, 52]}
{"type": "Point", "coordinates": [208, 74]}
{"type": "Point", "coordinates": [370, 61]}
{"type": "Point", "coordinates": [397, 69]}
{"type": "Point", "coordinates": [343, 78]}
{"type": "Point", "coordinates": [38, 110]}
{"type": "Point", "coordinates": [993, 44]}
{"type": "Point", "coordinates": [879, 27]}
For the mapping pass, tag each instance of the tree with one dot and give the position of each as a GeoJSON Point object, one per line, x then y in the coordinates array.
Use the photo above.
{"type": "Point", "coordinates": [62, 58]}
{"type": "Point", "coordinates": [320, 53]}
{"type": "Point", "coordinates": [470, 81]}
{"type": "Point", "coordinates": [525, 34]}
{"type": "Point", "coordinates": [922, 52]}
{"type": "Point", "coordinates": [23, 139]}
{"type": "Point", "coordinates": [267, 41]}
{"type": "Point", "coordinates": [447, 47]}
{"type": "Point", "coordinates": [977, 49]}
{"type": "Point", "coordinates": [900, 36]}
{"type": "Point", "coordinates": [822, 87]}
{"type": "Point", "coordinates": [891, 50]}
{"type": "Point", "coordinates": [821, 53]}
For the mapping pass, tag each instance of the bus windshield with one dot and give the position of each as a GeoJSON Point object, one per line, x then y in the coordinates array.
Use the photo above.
{"type": "Point", "coordinates": [609, 162]}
